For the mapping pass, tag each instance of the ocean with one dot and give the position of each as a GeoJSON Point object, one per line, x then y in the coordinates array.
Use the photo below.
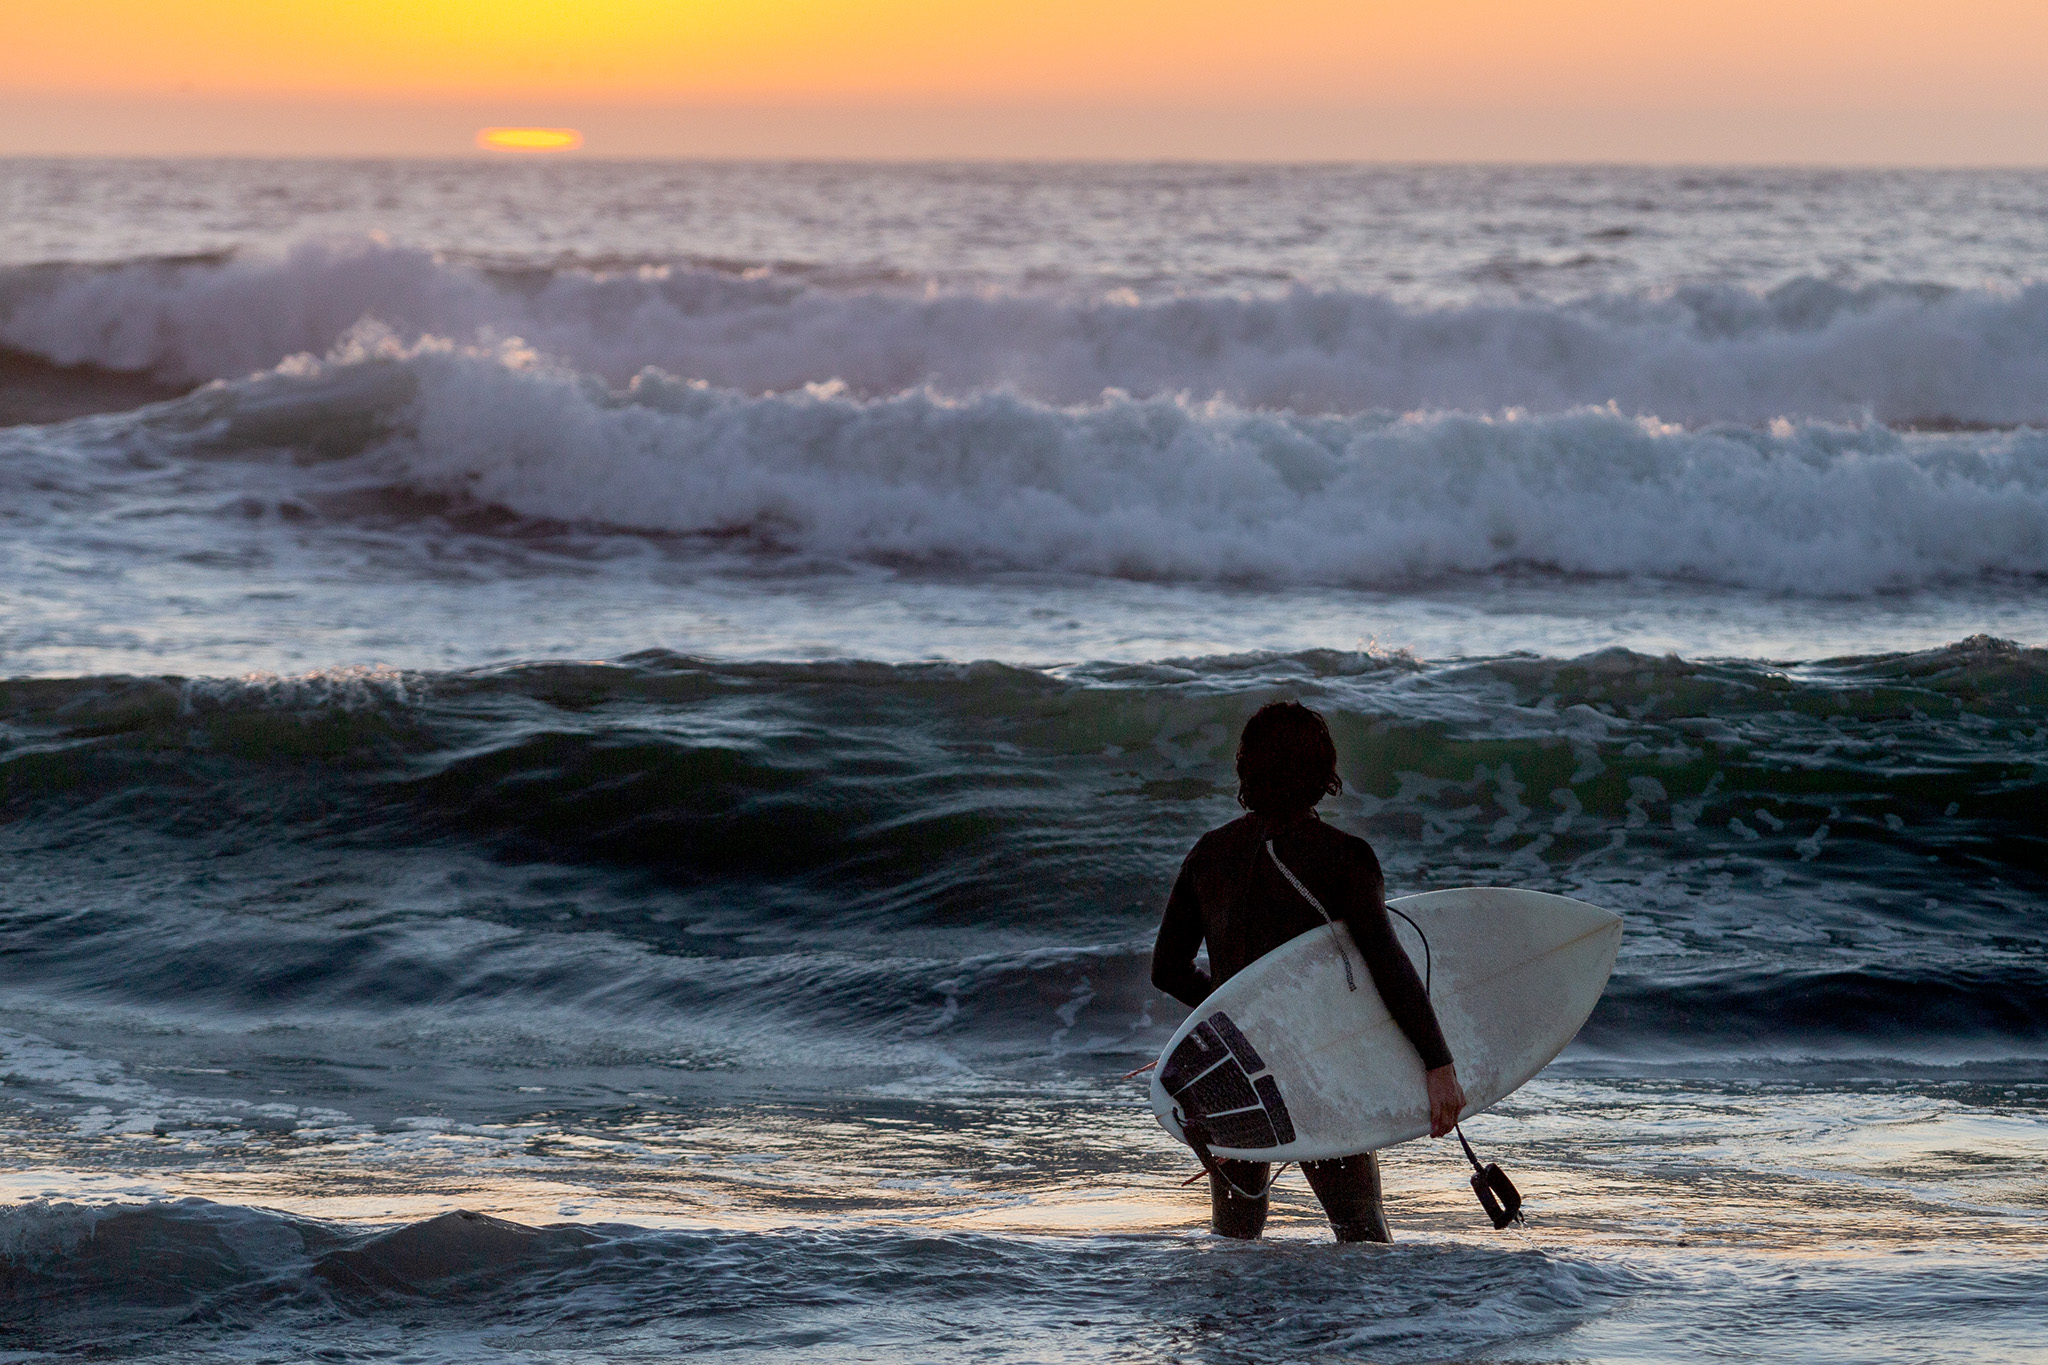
{"type": "Point", "coordinates": [590, 752]}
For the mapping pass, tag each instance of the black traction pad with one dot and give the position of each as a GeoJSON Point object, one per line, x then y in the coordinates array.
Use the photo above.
{"type": "Point", "coordinates": [1246, 1128]}
{"type": "Point", "coordinates": [1197, 1052]}
{"type": "Point", "coordinates": [1210, 1074]}
{"type": "Point", "coordinates": [1276, 1109]}
{"type": "Point", "coordinates": [1239, 1045]}
{"type": "Point", "coordinates": [1221, 1090]}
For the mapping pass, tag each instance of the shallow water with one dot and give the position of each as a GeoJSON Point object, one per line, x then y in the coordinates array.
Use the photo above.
{"type": "Point", "coordinates": [664, 719]}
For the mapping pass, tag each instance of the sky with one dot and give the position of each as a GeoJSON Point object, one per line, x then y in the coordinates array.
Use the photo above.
{"type": "Point", "coordinates": [1860, 81]}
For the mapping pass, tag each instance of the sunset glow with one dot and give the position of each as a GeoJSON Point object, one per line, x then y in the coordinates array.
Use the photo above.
{"type": "Point", "coordinates": [1562, 53]}
{"type": "Point", "coordinates": [1598, 79]}
{"type": "Point", "coordinates": [529, 139]}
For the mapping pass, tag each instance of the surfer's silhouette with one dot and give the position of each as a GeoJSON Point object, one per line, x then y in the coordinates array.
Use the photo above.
{"type": "Point", "coordinates": [1234, 894]}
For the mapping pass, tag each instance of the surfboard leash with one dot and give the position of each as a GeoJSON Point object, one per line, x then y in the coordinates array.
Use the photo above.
{"type": "Point", "coordinates": [1198, 1138]}
{"type": "Point", "coordinates": [1497, 1194]}
{"type": "Point", "coordinates": [1425, 945]}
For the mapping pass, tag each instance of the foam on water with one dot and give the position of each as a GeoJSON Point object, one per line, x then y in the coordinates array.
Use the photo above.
{"type": "Point", "coordinates": [1161, 488]}
{"type": "Point", "coordinates": [1806, 348]}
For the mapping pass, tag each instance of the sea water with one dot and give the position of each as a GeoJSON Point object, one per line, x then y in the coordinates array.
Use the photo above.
{"type": "Point", "coordinates": [592, 751]}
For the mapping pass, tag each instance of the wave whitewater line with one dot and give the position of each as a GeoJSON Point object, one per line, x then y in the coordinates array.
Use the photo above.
{"type": "Point", "coordinates": [1876, 818]}
{"type": "Point", "coordinates": [1160, 488]}
{"type": "Point", "coordinates": [1899, 353]}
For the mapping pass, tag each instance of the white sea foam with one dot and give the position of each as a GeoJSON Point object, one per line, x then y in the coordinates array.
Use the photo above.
{"type": "Point", "coordinates": [1806, 349]}
{"type": "Point", "coordinates": [1173, 489]}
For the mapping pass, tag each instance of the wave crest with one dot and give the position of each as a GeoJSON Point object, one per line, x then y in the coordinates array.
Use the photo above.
{"type": "Point", "coordinates": [1899, 352]}
{"type": "Point", "coordinates": [1164, 488]}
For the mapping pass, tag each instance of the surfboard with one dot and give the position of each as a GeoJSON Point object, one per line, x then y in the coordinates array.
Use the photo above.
{"type": "Point", "coordinates": [1285, 1062]}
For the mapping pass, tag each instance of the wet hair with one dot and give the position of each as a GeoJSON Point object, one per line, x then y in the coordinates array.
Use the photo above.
{"type": "Point", "coordinates": [1286, 760]}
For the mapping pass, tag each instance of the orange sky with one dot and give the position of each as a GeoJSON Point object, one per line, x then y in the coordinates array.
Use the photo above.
{"type": "Point", "coordinates": [1983, 62]}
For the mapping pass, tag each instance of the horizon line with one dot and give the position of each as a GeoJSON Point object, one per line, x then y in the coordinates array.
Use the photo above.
{"type": "Point", "coordinates": [129, 127]}
{"type": "Point", "coordinates": [482, 157]}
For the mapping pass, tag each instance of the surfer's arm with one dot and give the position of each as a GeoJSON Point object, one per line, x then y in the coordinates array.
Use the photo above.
{"type": "Point", "coordinates": [1180, 935]}
{"type": "Point", "coordinates": [1393, 975]}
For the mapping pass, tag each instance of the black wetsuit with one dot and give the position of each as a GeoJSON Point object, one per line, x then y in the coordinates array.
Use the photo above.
{"type": "Point", "coordinates": [1231, 896]}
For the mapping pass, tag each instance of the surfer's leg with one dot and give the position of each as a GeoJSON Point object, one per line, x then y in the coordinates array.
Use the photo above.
{"type": "Point", "coordinates": [1349, 1188]}
{"type": "Point", "coordinates": [1230, 1213]}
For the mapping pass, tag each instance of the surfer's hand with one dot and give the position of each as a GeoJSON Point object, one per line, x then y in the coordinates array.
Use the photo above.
{"type": "Point", "coordinates": [1446, 1099]}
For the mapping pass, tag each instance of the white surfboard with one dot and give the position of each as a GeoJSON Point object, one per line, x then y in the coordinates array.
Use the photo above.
{"type": "Point", "coordinates": [1283, 1062]}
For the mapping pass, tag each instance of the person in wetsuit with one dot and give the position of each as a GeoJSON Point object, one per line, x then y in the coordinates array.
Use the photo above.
{"type": "Point", "coordinates": [1231, 896]}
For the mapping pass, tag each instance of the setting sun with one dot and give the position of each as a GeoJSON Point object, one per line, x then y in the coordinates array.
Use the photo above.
{"type": "Point", "coordinates": [529, 139]}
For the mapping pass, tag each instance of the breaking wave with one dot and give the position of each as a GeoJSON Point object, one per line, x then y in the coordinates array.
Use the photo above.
{"type": "Point", "coordinates": [1899, 353]}
{"type": "Point", "coordinates": [1161, 488]}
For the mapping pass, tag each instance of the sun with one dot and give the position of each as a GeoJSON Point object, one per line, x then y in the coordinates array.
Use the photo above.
{"type": "Point", "coordinates": [529, 139]}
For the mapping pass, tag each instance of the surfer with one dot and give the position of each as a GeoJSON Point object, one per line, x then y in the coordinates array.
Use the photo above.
{"type": "Point", "coordinates": [1235, 897]}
